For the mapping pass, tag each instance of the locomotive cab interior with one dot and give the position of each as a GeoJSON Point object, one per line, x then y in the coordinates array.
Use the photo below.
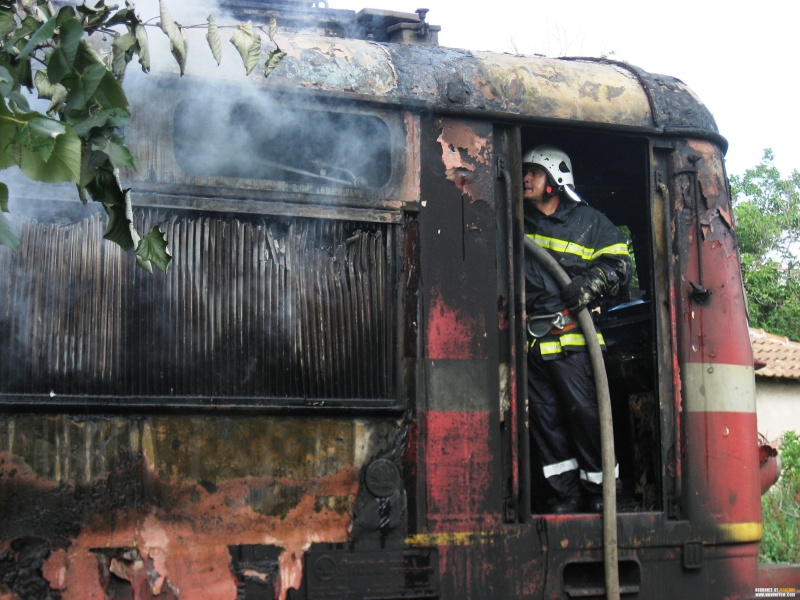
{"type": "Point", "coordinates": [611, 174]}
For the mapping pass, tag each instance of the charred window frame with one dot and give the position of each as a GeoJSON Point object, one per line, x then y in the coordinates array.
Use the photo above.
{"type": "Point", "coordinates": [249, 143]}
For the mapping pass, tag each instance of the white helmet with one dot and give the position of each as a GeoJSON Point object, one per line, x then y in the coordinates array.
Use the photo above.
{"type": "Point", "coordinates": [558, 166]}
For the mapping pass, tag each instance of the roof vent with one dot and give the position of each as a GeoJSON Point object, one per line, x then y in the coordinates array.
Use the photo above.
{"type": "Point", "coordinates": [399, 27]}
{"type": "Point", "coordinates": [369, 24]}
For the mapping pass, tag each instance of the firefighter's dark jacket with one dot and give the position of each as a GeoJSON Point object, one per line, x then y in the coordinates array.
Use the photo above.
{"type": "Point", "coordinates": [584, 242]}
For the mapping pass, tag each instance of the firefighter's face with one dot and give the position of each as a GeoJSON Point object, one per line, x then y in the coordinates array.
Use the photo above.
{"type": "Point", "coordinates": [534, 182]}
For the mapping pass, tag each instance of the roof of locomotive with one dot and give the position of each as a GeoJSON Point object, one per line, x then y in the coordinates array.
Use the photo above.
{"type": "Point", "coordinates": [351, 54]}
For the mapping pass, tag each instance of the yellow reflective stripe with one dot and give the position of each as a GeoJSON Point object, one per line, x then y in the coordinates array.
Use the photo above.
{"type": "Point", "coordinates": [567, 247]}
{"type": "Point", "coordinates": [568, 340]}
{"type": "Point", "coordinates": [563, 246]}
{"type": "Point", "coordinates": [618, 249]}
{"type": "Point", "coordinates": [550, 347]}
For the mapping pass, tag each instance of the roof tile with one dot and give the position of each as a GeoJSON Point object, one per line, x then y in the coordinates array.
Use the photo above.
{"type": "Point", "coordinates": [779, 356]}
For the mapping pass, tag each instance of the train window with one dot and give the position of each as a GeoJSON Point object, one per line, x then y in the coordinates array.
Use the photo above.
{"type": "Point", "coordinates": [273, 139]}
{"type": "Point", "coordinates": [612, 174]}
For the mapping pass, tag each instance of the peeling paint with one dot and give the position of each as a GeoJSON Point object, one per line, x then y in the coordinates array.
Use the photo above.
{"type": "Point", "coordinates": [463, 153]}
{"type": "Point", "coordinates": [190, 496]}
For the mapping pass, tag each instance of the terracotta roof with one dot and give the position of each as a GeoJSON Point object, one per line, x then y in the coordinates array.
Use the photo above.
{"type": "Point", "coordinates": [775, 356]}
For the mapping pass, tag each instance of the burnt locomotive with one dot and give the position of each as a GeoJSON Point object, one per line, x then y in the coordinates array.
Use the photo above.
{"type": "Point", "coordinates": [323, 397]}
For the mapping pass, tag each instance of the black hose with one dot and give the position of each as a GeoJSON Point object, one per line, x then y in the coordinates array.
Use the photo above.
{"type": "Point", "coordinates": [606, 424]}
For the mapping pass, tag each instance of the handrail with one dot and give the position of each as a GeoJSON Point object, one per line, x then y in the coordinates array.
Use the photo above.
{"type": "Point", "coordinates": [520, 441]}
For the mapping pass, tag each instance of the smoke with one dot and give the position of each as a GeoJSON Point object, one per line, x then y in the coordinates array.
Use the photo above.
{"type": "Point", "coordinates": [220, 130]}
{"type": "Point", "coordinates": [227, 125]}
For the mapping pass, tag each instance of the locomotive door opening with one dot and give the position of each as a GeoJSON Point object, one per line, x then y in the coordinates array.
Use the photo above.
{"type": "Point", "coordinates": [613, 173]}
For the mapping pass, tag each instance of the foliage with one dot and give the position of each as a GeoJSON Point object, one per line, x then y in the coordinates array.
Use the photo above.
{"type": "Point", "coordinates": [780, 508]}
{"type": "Point", "coordinates": [767, 209]}
{"type": "Point", "coordinates": [79, 137]}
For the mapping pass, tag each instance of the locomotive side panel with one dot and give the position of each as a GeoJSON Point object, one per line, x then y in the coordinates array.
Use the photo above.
{"type": "Point", "coordinates": [458, 413]}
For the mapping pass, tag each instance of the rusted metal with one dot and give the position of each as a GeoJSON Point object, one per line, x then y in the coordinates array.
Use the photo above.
{"type": "Point", "coordinates": [179, 491]}
{"type": "Point", "coordinates": [313, 401]}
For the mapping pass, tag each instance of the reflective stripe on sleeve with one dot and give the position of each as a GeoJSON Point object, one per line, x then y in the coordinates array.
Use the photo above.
{"type": "Point", "coordinates": [567, 247]}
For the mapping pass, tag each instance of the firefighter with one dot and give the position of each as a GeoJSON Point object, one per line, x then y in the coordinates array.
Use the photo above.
{"type": "Point", "coordinates": [565, 424]}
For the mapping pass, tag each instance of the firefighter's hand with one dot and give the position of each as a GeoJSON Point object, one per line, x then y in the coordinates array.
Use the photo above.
{"type": "Point", "coordinates": [583, 289]}
{"type": "Point", "coordinates": [577, 294]}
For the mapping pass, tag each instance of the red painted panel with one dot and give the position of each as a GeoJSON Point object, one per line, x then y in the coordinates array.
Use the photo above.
{"type": "Point", "coordinates": [779, 576]}
{"type": "Point", "coordinates": [714, 331]}
{"type": "Point", "coordinates": [453, 334]}
{"type": "Point", "coordinates": [722, 462]}
{"type": "Point", "coordinates": [459, 471]}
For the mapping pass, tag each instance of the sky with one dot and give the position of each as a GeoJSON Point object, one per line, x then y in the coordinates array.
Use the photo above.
{"type": "Point", "coordinates": [739, 59]}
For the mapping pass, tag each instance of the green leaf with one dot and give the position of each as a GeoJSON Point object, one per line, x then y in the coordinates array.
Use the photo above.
{"type": "Point", "coordinates": [97, 176]}
{"type": "Point", "coordinates": [248, 44]}
{"type": "Point", "coordinates": [38, 136]}
{"type": "Point", "coordinates": [7, 21]}
{"type": "Point", "coordinates": [70, 33]}
{"type": "Point", "coordinates": [118, 229]}
{"type": "Point", "coordinates": [113, 146]}
{"type": "Point", "coordinates": [82, 86]}
{"type": "Point", "coordinates": [8, 129]}
{"type": "Point", "coordinates": [273, 27]}
{"type": "Point", "coordinates": [25, 73]}
{"type": "Point", "coordinates": [20, 101]}
{"type": "Point", "coordinates": [176, 35]}
{"type": "Point", "coordinates": [3, 197]}
{"type": "Point", "coordinates": [94, 16]}
{"type": "Point", "coordinates": [6, 81]}
{"type": "Point", "coordinates": [153, 248]}
{"type": "Point", "coordinates": [27, 27]}
{"type": "Point", "coordinates": [87, 55]}
{"type": "Point", "coordinates": [43, 33]}
{"type": "Point", "coordinates": [57, 65]}
{"type": "Point", "coordinates": [273, 58]}
{"type": "Point", "coordinates": [110, 117]}
{"type": "Point", "coordinates": [45, 149]}
{"type": "Point", "coordinates": [214, 40]}
{"type": "Point", "coordinates": [122, 51]}
{"type": "Point", "coordinates": [167, 24]}
{"type": "Point", "coordinates": [34, 9]}
{"type": "Point", "coordinates": [181, 50]}
{"type": "Point", "coordinates": [7, 235]}
{"type": "Point", "coordinates": [57, 93]}
{"type": "Point", "coordinates": [63, 164]}
{"type": "Point", "coordinates": [122, 16]}
{"type": "Point", "coordinates": [109, 93]}
{"type": "Point", "coordinates": [65, 13]}
{"type": "Point", "coordinates": [144, 47]}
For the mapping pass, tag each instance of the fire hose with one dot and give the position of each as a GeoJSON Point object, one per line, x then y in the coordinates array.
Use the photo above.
{"type": "Point", "coordinates": [606, 425]}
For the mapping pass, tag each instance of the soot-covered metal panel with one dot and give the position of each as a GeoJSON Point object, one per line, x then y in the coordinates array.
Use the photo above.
{"type": "Point", "coordinates": [297, 310]}
{"type": "Point", "coordinates": [580, 89]}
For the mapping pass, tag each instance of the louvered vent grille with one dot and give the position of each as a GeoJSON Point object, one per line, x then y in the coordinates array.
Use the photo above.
{"type": "Point", "coordinates": [249, 309]}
